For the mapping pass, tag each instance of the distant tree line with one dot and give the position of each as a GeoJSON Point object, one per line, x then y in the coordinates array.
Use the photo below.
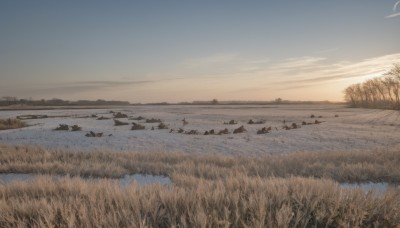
{"type": "Point", "coordinates": [10, 100]}
{"type": "Point", "coordinates": [380, 92]}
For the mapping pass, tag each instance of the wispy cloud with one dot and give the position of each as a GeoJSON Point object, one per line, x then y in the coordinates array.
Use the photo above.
{"type": "Point", "coordinates": [394, 10]}
{"type": "Point", "coordinates": [328, 50]}
{"type": "Point", "coordinates": [393, 15]}
{"type": "Point", "coordinates": [395, 6]}
{"type": "Point", "coordinates": [329, 72]}
{"type": "Point", "coordinates": [109, 83]}
{"type": "Point", "coordinates": [81, 87]}
{"type": "Point", "coordinates": [216, 59]}
{"type": "Point", "coordinates": [297, 63]}
{"type": "Point", "coordinates": [245, 79]}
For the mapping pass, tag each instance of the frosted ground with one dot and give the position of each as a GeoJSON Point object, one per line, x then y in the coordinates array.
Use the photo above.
{"type": "Point", "coordinates": [352, 130]}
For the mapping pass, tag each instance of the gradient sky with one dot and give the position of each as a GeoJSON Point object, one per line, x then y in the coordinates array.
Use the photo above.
{"type": "Point", "coordinates": [170, 50]}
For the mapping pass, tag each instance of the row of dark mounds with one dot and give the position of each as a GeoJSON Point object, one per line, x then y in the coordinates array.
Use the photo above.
{"type": "Point", "coordinates": [241, 129]}
{"type": "Point", "coordinates": [94, 135]}
{"type": "Point", "coordinates": [233, 122]}
{"type": "Point", "coordinates": [225, 131]}
{"type": "Point", "coordinates": [137, 126]}
{"type": "Point", "coordinates": [296, 126]}
{"type": "Point", "coordinates": [116, 115]}
{"type": "Point", "coordinates": [119, 115]}
{"type": "Point", "coordinates": [65, 127]}
{"type": "Point", "coordinates": [313, 116]}
{"type": "Point", "coordinates": [161, 125]}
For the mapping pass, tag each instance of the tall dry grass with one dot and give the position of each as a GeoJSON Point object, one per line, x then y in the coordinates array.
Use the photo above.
{"type": "Point", "coordinates": [11, 124]}
{"type": "Point", "coordinates": [240, 201]}
{"type": "Point", "coordinates": [208, 190]}
{"type": "Point", "coordinates": [376, 166]}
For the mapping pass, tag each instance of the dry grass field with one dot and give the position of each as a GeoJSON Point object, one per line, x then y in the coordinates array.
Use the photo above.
{"type": "Point", "coordinates": [294, 190]}
{"type": "Point", "coordinates": [11, 124]}
{"type": "Point", "coordinates": [339, 166]}
{"type": "Point", "coordinates": [233, 202]}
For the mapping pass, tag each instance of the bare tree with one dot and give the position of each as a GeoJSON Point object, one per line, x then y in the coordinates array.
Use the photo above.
{"type": "Point", "coordinates": [380, 92]}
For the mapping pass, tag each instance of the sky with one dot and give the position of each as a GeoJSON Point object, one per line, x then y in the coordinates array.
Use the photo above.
{"type": "Point", "coordinates": [179, 50]}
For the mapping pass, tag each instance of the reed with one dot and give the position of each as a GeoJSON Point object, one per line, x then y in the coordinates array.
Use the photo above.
{"type": "Point", "coordinates": [240, 201]}
{"type": "Point", "coordinates": [375, 166]}
{"type": "Point", "coordinates": [11, 124]}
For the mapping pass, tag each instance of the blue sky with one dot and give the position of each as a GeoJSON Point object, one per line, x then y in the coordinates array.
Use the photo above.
{"type": "Point", "coordinates": [148, 51]}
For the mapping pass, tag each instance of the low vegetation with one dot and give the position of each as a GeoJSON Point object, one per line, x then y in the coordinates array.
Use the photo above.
{"type": "Point", "coordinates": [208, 190]}
{"type": "Point", "coordinates": [233, 202]}
{"type": "Point", "coordinates": [377, 166]}
{"type": "Point", "coordinates": [11, 124]}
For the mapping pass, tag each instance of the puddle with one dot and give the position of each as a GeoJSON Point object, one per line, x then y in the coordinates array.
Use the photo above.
{"type": "Point", "coordinates": [10, 177]}
{"type": "Point", "coordinates": [377, 188]}
{"type": "Point", "coordinates": [145, 180]}
{"type": "Point", "coordinates": [140, 179]}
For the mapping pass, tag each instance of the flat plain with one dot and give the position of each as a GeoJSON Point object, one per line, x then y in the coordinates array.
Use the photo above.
{"type": "Point", "coordinates": [226, 166]}
{"type": "Point", "coordinates": [338, 129]}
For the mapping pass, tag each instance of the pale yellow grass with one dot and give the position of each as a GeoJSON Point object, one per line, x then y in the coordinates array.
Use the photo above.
{"type": "Point", "coordinates": [11, 124]}
{"type": "Point", "coordinates": [378, 166]}
{"type": "Point", "coordinates": [232, 202]}
{"type": "Point", "coordinates": [207, 190]}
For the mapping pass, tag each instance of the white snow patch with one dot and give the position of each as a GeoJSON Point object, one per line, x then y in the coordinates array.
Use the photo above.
{"type": "Point", "coordinates": [353, 130]}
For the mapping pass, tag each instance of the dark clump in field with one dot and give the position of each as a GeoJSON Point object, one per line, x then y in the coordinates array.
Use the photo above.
{"type": "Point", "coordinates": [137, 126]}
{"type": "Point", "coordinates": [103, 118]}
{"type": "Point", "coordinates": [312, 116]}
{"type": "Point", "coordinates": [264, 130]}
{"type": "Point", "coordinates": [62, 127]}
{"type": "Point", "coordinates": [292, 126]}
{"type": "Point", "coordinates": [210, 132]}
{"type": "Point", "coordinates": [317, 122]}
{"type": "Point", "coordinates": [256, 122]}
{"type": "Point", "coordinates": [336, 115]}
{"type": "Point", "coordinates": [93, 134]}
{"type": "Point", "coordinates": [192, 132]}
{"type": "Point", "coordinates": [137, 118]}
{"type": "Point", "coordinates": [231, 122]}
{"type": "Point", "coordinates": [240, 129]}
{"type": "Point", "coordinates": [120, 115]}
{"type": "Point", "coordinates": [76, 128]}
{"type": "Point", "coordinates": [120, 123]}
{"type": "Point", "coordinates": [162, 126]}
{"type": "Point", "coordinates": [152, 120]}
{"type": "Point", "coordinates": [223, 132]}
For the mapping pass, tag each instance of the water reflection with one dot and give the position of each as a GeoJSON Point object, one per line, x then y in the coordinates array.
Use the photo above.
{"type": "Point", "coordinates": [140, 179]}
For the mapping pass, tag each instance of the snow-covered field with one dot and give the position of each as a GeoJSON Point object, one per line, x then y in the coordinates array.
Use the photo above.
{"type": "Point", "coordinates": [352, 130]}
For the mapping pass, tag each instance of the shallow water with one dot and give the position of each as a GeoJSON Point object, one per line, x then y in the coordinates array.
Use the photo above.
{"type": "Point", "coordinates": [10, 177]}
{"type": "Point", "coordinates": [140, 179]}
{"type": "Point", "coordinates": [377, 188]}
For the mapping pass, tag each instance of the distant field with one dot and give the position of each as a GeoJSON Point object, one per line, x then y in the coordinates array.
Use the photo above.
{"type": "Point", "coordinates": [350, 130]}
